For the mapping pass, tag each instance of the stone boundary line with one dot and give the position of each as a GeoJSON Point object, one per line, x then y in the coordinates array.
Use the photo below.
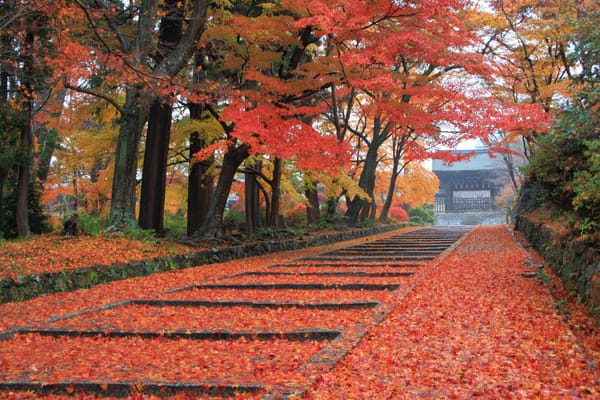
{"type": "Point", "coordinates": [81, 278]}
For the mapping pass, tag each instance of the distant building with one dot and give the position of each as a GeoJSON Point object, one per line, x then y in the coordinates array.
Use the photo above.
{"type": "Point", "coordinates": [468, 189]}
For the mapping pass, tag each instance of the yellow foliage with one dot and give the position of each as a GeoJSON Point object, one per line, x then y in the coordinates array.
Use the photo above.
{"type": "Point", "coordinates": [417, 186]}
{"type": "Point", "coordinates": [335, 185]}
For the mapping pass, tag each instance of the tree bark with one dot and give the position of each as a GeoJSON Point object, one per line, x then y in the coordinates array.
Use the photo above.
{"type": "Point", "coordinates": [387, 204]}
{"type": "Point", "coordinates": [3, 168]}
{"type": "Point", "coordinates": [213, 224]}
{"type": "Point", "coordinates": [200, 185]}
{"type": "Point", "coordinates": [133, 118]}
{"type": "Point", "coordinates": [156, 154]}
{"type": "Point", "coordinates": [24, 168]}
{"type": "Point", "coordinates": [313, 213]}
{"type": "Point", "coordinates": [252, 200]}
{"type": "Point", "coordinates": [367, 183]}
{"type": "Point", "coordinates": [274, 214]}
{"type": "Point", "coordinates": [152, 198]}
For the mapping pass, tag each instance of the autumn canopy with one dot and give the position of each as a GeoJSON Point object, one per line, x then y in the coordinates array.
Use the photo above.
{"type": "Point", "coordinates": [139, 111]}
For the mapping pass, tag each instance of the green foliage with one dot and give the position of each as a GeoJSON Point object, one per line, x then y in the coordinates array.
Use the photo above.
{"type": "Point", "coordinates": [234, 220]}
{"type": "Point", "coordinates": [331, 222]}
{"type": "Point", "coordinates": [176, 223]}
{"type": "Point", "coordinates": [11, 122]}
{"type": "Point", "coordinates": [143, 235]}
{"type": "Point", "coordinates": [38, 220]}
{"type": "Point", "coordinates": [566, 166]}
{"type": "Point", "coordinates": [270, 233]}
{"type": "Point", "coordinates": [90, 225]}
{"type": "Point", "coordinates": [421, 215]}
{"type": "Point", "coordinates": [586, 182]}
{"type": "Point", "coordinates": [367, 223]}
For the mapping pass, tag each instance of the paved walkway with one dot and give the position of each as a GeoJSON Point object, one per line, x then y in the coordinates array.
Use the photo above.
{"type": "Point", "coordinates": [477, 321]}
{"type": "Point", "coordinates": [475, 326]}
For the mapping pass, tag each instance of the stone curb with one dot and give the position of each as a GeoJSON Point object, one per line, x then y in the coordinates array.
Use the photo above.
{"type": "Point", "coordinates": [35, 285]}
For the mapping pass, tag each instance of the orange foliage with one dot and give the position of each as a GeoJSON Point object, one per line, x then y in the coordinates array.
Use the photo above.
{"type": "Point", "coordinates": [461, 329]}
{"type": "Point", "coordinates": [450, 333]}
{"type": "Point", "coordinates": [52, 253]}
{"type": "Point", "coordinates": [417, 186]}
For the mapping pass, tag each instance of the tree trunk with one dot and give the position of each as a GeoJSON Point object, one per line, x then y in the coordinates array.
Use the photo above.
{"type": "Point", "coordinates": [3, 176]}
{"type": "Point", "coordinates": [152, 198]}
{"type": "Point", "coordinates": [212, 226]}
{"type": "Point", "coordinates": [367, 183]}
{"type": "Point", "coordinates": [312, 210]}
{"type": "Point", "coordinates": [24, 177]}
{"type": "Point", "coordinates": [123, 201]}
{"type": "Point", "coordinates": [200, 185]}
{"type": "Point", "coordinates": [274, 215]}
{"type": "Point", "coordinates": [252, 200]}
{"type": "Point", "coordinates": [331, 207]}
{"type": "Point", "coordinates": [358, 207]}
{"type": "Point", "coordinates": [387, 204]}
{"type": "Point", "coordinates": [156, 154]}
{"type": "Point", "coordinates": [200, 181]}
{"type": "Point", "coordinates": [26, 144]}
{"type": "Point", "coordinates": [137, 101]}
{"type": "Point", "coordinates": [3, 169]}
{"type": "Point", "coordinates": [373, 207]}
{"type": "Point", "coordinates": [398, 151]}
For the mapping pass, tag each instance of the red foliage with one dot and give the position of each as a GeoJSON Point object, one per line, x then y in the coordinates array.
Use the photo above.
{"type": "Point", "coordinates": [398, 213]}
{"type": "Point", "coordinates": [466, 325]}
{"type": "Point", "coordinates": [142, 318]}
{"type": "Point", "coordinates": [52, 253]}
{"type": "Point", "coordinates": [473, 328]}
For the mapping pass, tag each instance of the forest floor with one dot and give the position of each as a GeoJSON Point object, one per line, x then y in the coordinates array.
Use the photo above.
{"type": "Point", "coordinates": [481, 320]}
{"type": "Point", "coordinates": [54, 252]}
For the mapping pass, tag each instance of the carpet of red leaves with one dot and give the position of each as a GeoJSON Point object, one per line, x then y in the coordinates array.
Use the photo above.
{"type": "Point", "coordinates": [54, 253]}
{"type": "Point", "coordinates": [468, 325]}
{"type": "Point", "coordinates": [474, 328]}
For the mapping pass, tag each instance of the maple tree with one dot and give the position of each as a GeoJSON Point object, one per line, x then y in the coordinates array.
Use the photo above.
{"type": "Point", "coordinates": [416, 186]}
{"type": "Point", "coordinates": [529, 45]}
{"type": "Point", "coordinates": [297, 83]}
{"type": "Point", "coordinates": [124, 65]}
{"type": "Point", "coordinates": [80, 177]}
{"type": "Point", "coordinates": [264, 111]}
{"type": "Point", "coordinates": [405, 92]}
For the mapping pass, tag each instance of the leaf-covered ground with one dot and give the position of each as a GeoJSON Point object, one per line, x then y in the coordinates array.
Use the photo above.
{"type": "Point", "coordinates": [474, 328]}
{"type": "Point", "coordinates": [467, 325]}
{"type": "Point", "coordinates": [53, 253]}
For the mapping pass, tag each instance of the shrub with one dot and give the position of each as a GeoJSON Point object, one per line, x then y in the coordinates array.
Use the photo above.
{"type": "Point", "coordinates": [176, 222]}
{"type": "Point", "coordinates": [566, 167]}
{"type": "Point", "coordinates": [422, 215]}
{"type": "Point", "coordinates": [398, 213]}
{"type": "Point", "coordinates": [586, 184]}
{"type": "Point", "coordinates": [234, 220]}
{"type": "Point", "coordinates": [89, 224]}
{"type": "Point", "coordinates": [296, 216]}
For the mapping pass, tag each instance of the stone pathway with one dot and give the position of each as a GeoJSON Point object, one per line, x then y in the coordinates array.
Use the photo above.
{"type": "Point", "coordinates": [397, 317]}
{"type": "Point", "coordinates": [373, 276]}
